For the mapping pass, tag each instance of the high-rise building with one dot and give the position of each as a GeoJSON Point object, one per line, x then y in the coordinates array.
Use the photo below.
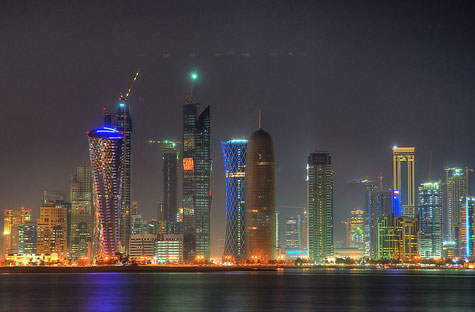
{"type": "Point", "coordinates": [380, 205]}
{"type": "Point", "coordinates": [124, 126]}
{"type": "Point", "coordinates": [354, 227]}
{"type": "Point", "coordinates": [430, 220]}
{"type": "Point", "coordinates": [142, 245]}
{"type": "Point", "coordinates": [397, 210]}
{"type": "Point", "coordinates": [403, 178]}
{"type": "Point", "coordinates": [106, 154]}
{"type": "Point", "coordinates": [293, 233]}
{"type": "Point", "coordinates": [27, 238]}
{"type": "Point", "coordinates": [466, 245]}
{"type": "Point", "coordinates": [304, 229]}
{"type": "Point", "coordinates": [51, 230]}
{"type": "Point", "coordinates": [12, 218]}
{"type": "Point", "coordinates": [234, 154]}
{"type": "Point", "coordinates": [137, 226]}
{"type": "Point", "coordinates": [196, 181]}
{"type": "Point", "coordinates": [320, 205]}
{"type": "Point", "coordinates": [457, 187]}
{"type": "Point", "coordinates": [82, 212]}
{"type": "Point", "coordinates": [260, 216]}
{"type": "Point", "coordinates": [170, 180]}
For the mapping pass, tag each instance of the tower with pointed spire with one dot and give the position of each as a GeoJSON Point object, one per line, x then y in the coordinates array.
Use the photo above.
{"type": "Point", "coordinates": [260, 244]}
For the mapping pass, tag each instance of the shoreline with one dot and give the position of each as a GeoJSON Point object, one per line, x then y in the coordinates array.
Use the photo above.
{"type": "Point", "coordinates": [201, 269]}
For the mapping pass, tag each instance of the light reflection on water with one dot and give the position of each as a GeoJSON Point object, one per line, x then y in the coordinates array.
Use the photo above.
{"type": "Point", "coordinates": [289, 290]}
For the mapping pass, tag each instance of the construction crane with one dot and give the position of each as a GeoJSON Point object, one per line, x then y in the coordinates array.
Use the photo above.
{"type": "Point", "coordinates": [124, 98]}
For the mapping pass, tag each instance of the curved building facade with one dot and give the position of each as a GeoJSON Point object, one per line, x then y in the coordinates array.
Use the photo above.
{"type": "Point", "coordinates": [106, 154]}
{"type": "Point", "coordinates": [260, 215]}
{"type": "Point", "coordinates": [234, 154]}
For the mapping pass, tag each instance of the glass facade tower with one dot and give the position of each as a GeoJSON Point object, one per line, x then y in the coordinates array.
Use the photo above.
{"type": "Point", "coordinates": [320, 205]}
{"type": "Point", "coordinates": [457, 187]}
{"type": "Point", "coordinates": [197, 166]}
{"type": "Point", "coordinates": [430, 220]}
{"type": "Point", "coordinates": [234, 154]}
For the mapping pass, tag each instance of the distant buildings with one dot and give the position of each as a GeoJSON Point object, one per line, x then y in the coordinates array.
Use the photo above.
{"type": "Point", "coordinates": [430, 220]}
{"type": "Point", "coordinates": [320, 205]}
{"type": "Point", "coordinates": [260, 216]}
{"type": "Point", "coordinates": [196, 181]}
{"type": "Point", "coordinates": [12, 219]}
{"type": "Point", "coordinates": [51, 227]}
{"type": "Point", "coordinates": [354, 228]}
{"type": "Point", "coordinates": [293, 233]}
{"type": "Point", "coordinates": [234, 155]}
{"type": "Point", "coordinates": [404, 179]}
{"type": "Point", "coordinates": [106, 153]}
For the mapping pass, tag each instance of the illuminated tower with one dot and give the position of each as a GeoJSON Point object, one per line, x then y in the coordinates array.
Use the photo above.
{"type": "Point", "coordinates": [234, 154]}
{"type": "Point", "coordinates": [293, 233]}
{"type": "Point", "coordinates": [12, 218]}
{"type": "Point", "coordinates": [430, 220]}
{"type": "Point", "coordinates": [106, 153]}
{"type": "Point", "coordinates": [124, 125]}
{"type": "Point", "coordinates": [467, 241]}
{"type": "Point", "coordinates": [260, 216]}
{"type": "Point", "coordinates": [197, 166]}
{"type": "Point", "coordinates": [82, 216]}
{"type": "Point", "coordinates": [457, 187]}
{"type": "Point", "coordinates": [403, 178]}
{"type": "Point", "coordinates": [320, 205]}
{"type": "Point", "coordinates": [354, 230]}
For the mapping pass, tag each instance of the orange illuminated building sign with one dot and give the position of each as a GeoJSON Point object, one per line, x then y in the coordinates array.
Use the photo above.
{"type": "Point", "coordinates": [188, 164]}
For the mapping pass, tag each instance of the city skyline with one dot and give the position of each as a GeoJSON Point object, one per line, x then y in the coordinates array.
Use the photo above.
{"type": "Point", "coordinates": [315, 77]}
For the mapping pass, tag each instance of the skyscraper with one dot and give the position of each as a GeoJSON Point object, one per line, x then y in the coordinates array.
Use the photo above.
{"type": "Point", "coordinates": [380, 205]}
{"type": "Point", "coordinates": [320, 205]}
{"type": "Point", "coordinates": [51, 227]}
{"type": "Point", "coordinates": [27, 238]}
{"type": "Point", "coordinates": [106, 154]}
{"type": "Point", "coordinates": [430, 220]}
{"type": "Point", "coordinates": [197, 166]}
{"type": "Point", "coordinates": [234, 154]}
{"type": "Point", "coordinates": [467, 241]}
{"type": "Point", "coordinates": [12, 218]}
{"type": "Point", "coordinates": [124, 125]}
{"type": "Point", "coordinates": [355, 230]}
{"type": "Point", "coordinates": [457, 187]}
{"type": "Point", "coordinates": [293, 233]}
{"type": "Point", "coordinates": [260, 216]}
{"type": "Point", "coordinates": [403, 178]}
{"type": "Point", "coordinates": [82, 211]}
{"type": "Point", "coordinates": [170, 183]}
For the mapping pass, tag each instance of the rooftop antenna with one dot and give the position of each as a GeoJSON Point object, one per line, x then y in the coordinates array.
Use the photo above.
{"type": "Point", "coordinates": [193, 76]}
{"type": "Point", "coordinates": [430, 166]}
{"type": "Point", "coordinates": [260, 119]}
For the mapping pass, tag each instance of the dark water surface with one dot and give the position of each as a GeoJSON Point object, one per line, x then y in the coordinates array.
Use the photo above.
{"type": "Point", "coordinates": [292, 290]}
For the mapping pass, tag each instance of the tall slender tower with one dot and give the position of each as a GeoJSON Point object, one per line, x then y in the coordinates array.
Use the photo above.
{"type": "Point", "coordinates": [320, 205]}
{"type": "Point", "coordinates": [466, 240]}
{"type": "Point", "coordinates": [430, 220]}
{"type": "Point", "coordinates": [457, 187]}
{"type": "Point", "coordinates": [403, 178]}
{"type": "Point", "coordinates": [260, 216]}
{"type": "Point", "coordinates": [170, 183]}
{"type": "Point", "coordinates": [197, 165]}
{"type": "Point", "coordinates": [106, 153]}
{"type": "Point", "coordinates": [234, 154]}
{"type": "Point", "coordinates": [124, 125]}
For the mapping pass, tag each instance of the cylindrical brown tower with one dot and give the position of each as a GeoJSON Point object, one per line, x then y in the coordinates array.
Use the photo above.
{"type": "Point", "coordinates": [260, 241]}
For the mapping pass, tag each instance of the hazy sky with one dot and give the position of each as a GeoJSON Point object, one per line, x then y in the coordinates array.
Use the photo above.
{"type": "Point", "coordinates": [352, 77]}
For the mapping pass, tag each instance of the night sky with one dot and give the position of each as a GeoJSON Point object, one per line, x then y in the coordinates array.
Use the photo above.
{"type": "Point", "coordinates": [350, 77]}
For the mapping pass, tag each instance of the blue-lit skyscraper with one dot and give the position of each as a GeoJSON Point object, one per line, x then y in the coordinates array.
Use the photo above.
{"type": "Point", "coordinates": [234, 154]}
{"type": "Point", "coordinates": [430, 220]}
{"type": "Point", "coordinates": [106, 154]}
{"type": "Point", "coordinates": [396, 203]}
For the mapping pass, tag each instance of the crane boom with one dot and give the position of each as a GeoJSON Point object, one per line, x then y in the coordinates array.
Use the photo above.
{"type": "Point", "coordinates": [132, 84]}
